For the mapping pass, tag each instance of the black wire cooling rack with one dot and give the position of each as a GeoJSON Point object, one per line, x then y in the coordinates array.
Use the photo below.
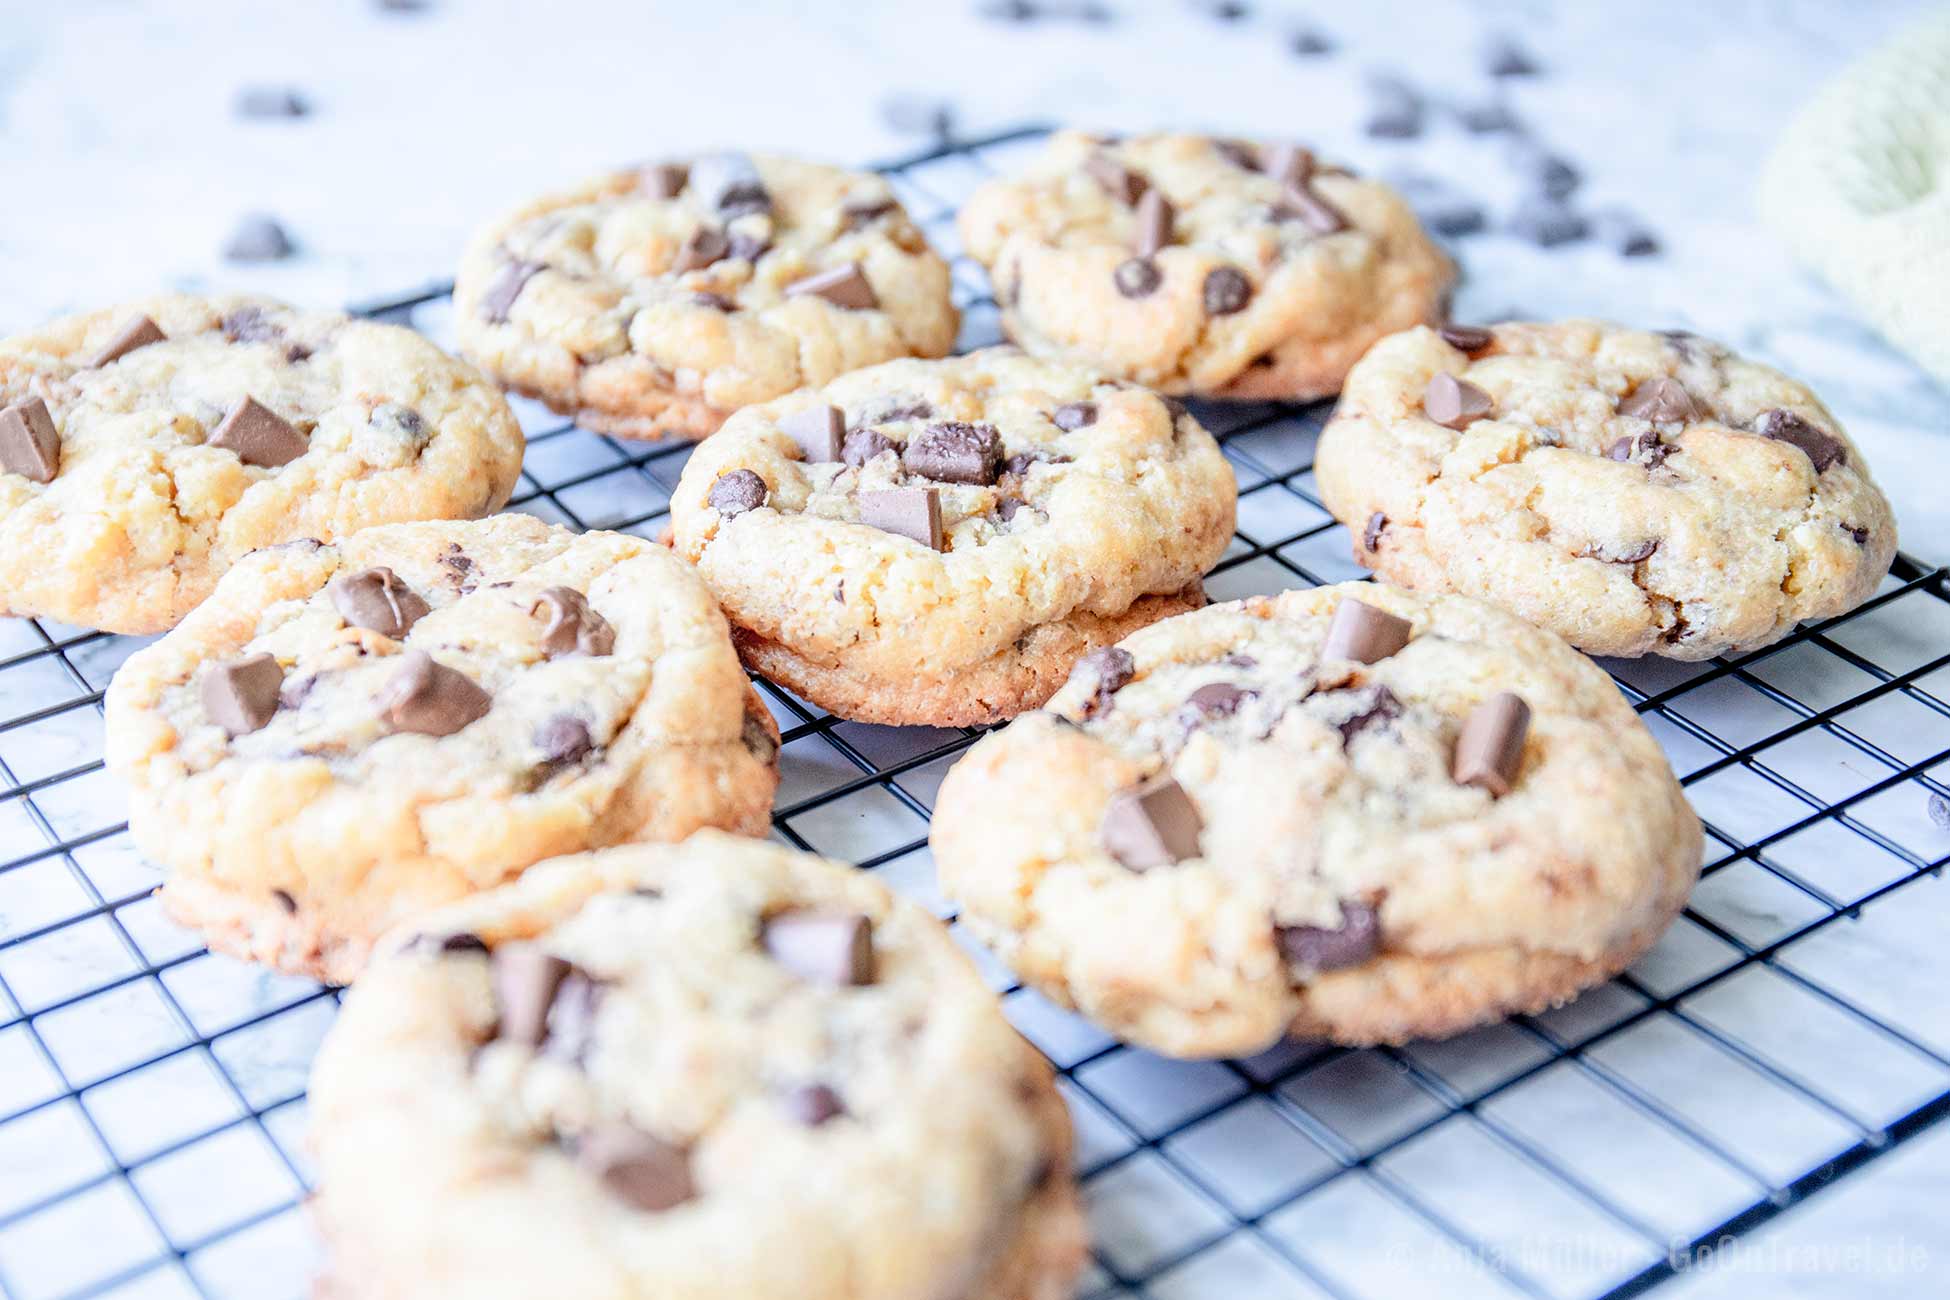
{"type": "Point", "coordinates": [1785, 1037]}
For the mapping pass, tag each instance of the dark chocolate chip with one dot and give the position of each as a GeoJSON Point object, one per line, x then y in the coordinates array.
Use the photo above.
{"type": "Point", "coordinates": [431, 699]}
{"type": "Point", "coordinates": [1823, 449]}
{"type": "Point", "coordinates": [1371, 535]}
{"type": "Point", "coordinates": [1314, 948]}
{"type": "Point", "coordinates": [909, 512]}
{"type": "Point", "coordinates": [1624, 233]}
{"type": "Point", "coordinates": [1858, 532]}
{"type": "Point", "coordinates": [30, 446]}
{"type": "Point", "coordinates": [1466, 338]}
{"type": "Point", "coordinates": [819, 431]}
{"type": "Point", "coordinates": [271, 102]}
{"type": "Point", "coordinates": [258, 238]}
{"type": "Point", "coordinates": [649, 1174]}
{"type": "Point", "coordinates": [1455, 403]}
{"type": "Point", "coordinates": [1113, 667]}
{"type": "Point", "coordinates": [1490, 748]}
{"type": "Point", "coordinates": [285, 901]}
{"type": "Point", "coordinates": [1151, 825]}
{"type": "Point", "coordinates": [1119, 181]}
{"type": "Point", "coordinates": [1154, 218]}
{"type": "Point", "coordinates": [1242, 154]}
{"type": "Point", "coordinates": [259, 435]}
{"type": "Point", "coordinates": [1137, 277]}
{"type": "Point", "coordinates": [735, 493]}
{"type": "Point", "coordinates": [460, 567]}
{"type": "Point", "coordinates": [813, 1104]}
{"type": "Point", "coordinates": [715, 301]}
{"type": "Point", "coordinates": [729, 184]}
{"type": "Point", "coordinates": [955, 452]}
{"type": "Point", "coordinates": [1663, 401]}
{"type": "Point", "coordinates": [705, 247]}
{"type": "Point", "coordinates": [664, 180]}
{"type": "Point", "coordinates": [572, 1018]}
{"type": "Point", "coordinates": [1226, 291]}
{"type": "Point", "coordinates": [833, 948]}
{"type": "Point", "coordinates": [499, 297]}
{"type": "Point", "coordinates": [843, 286]}
{"type": "Point", "coordinates": [376, 599]}
{"type": "Point", "coordinates": [1367, 635]}
{"type": "Point", "coordinates": [1372, 706]}
{"type": "Point", "coordinates": [862, 445]}
{"type": "Point", "coordinates": [240, 695]}
{"type": "Point", "coordinates": [1074, 415]}
{"type": "Point", "coordinates": [864, 212]}
{"type": "Point", "coordinates": [138, 332]}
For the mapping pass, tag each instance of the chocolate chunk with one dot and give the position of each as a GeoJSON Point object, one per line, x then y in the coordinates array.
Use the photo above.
{"type": "Point", "coordinates": [1466, 338]}
{"type": "Point", "coordinates": [250, 325]}
{"type": "Point", "coordinates": [1503, 57]}
{"type": "Point", "coordinates": [825, 947]}
{"type": "Point", "coordinates": [259, 435]}
{"type": "Point", "coordinates": [664, 180]}
{"type": "Point", "coordinates": [499, 297]}
{"type": "Point", "coordinates": [1310, 42]}
{"type": "Point", "coordinates": [1398, 110]}
{"type": "Point", "coordinates": [573, 627]}
{"type": "Point", "coordinates": [1858, 532]}
{"type": "Point", "coordinates": [1137, 277]}
{"type": "Point", "coordinates": [748, 246]}
{"type": "Point", "coordinates": [271, 103]}
{"type": "Point", "coordinates": [1119, 181]}
{"type": "Point", "coordinates": [736, 492]}
{"type": "Point", "coordinates": [1372, 706]}
{"type": "Point", "coordinates": [1154, 217]}
{"type": "Point", "coordinates": [240, 695]}
{"type": "Point", "coordinates": [1216, 700]}
{"type": "Point", "coordinates": [1242, 154]}
{"type": "Point", "coordinates": [819, 431]}
{"type": "Point", "coordinates": [1490, 748]}
{"type": "Point", "coordinates": [1313, 948]}
{"type": "Point", "coordinates": [1454, 403]}
{"type": "Point", "coordinates": [728, 183]}
{"type": "Point", "coordinates": [862, 445]}
{"type": "Point", "coordinates": [430, 698]}
{"type": "Point", "coordinates": [856, 213]}
{"type": "Point", "coordinates": [1113, 668]}
{"type": "Point", "coordinates": [460, 568]}
{"type": "Point", "coordinates": [1363, 633]}
{"type": "Point", "coordinates": [1823, 449]}
{"type": "Point", "coordinates": [1663, 401]}
{"type": "Point", "coordinates": [1289, 164]}
{"type": "Point", "coordinates": [525, 980]}
{"type": "Point", "coordinates": [30, 446]}
{"type": "Point", "coordinates": [910, 512]}
{"type": "Point", "coordinates": [376, 599]}
{"type": "Point", "coordinates": [137, 333]}
{"type": "Point", "coordinates": [1074, 415]}
{"type": "Point", "coordinates": [1645, 445]}
{"type": "Point", "coordinates": [1371, 535]}
{"type": "Point", "coordinates": [563, 740]}
{"type": "Point", "coordinates": [812, 1104]}
{"type": "Point", "coordinates": [463, 943]}
{"type": "Point", "coordinates": [1151, 825]}
{"type": "Point", "coordinates": [955, 452]}
{"type": "Point", "coordinates": [1226, 291]}
{"type": "Point", "coordinates": [1301, 204]}
{"type": "Point", "coordinates": [705, 247]}
{"type": "Point", "coordinates": [649, 1174]}
{"type": "Point", "coordinates": [1547, 223]}
{"type": "Point", "coordinates": [843, 286]}
{"type": "Point", "coordinates": [285, 901]}
{"type": "Point", "coordinates": [258, 238]}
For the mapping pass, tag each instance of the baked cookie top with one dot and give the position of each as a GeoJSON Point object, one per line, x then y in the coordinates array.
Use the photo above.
{"type": "Point", "coordinates": [719, 1068]}
{"type": "Point", "coordinates": [345, 734]}
{"type": "Point", "coordinates": [144, 447]}
{"type": "Point", "coordinates": [1201, 265]}
{"type": "Point", "coordinates": [1634, 492]}
{"type": "Point", "coordinates": [661, 298]}
{"type": "Point", "coordinates": [1354, 812]}
{"type": "Point", "coordinates": [917, 517]}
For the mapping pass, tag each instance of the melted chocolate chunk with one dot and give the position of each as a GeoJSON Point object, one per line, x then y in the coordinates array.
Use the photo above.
{"type": "Point", "coordinates": [499, 297]}
{"type": "Point", "coordinates": [431, 699]}
{"type": "Point", "coordinates": [250, 325]}
{"type": "Point", "coordinates": [843, 286]}
{"type": "Point", "coordinates": [862, 445]}
{"type": "Point", "coordinates": [1113, 668]}
{"type": "Point", "coordinates": [729, 184]}
{"type": "Point", "coordinates": [1664, 401]}
{"type": "Point", "coordinates": [1823, 449]}
{"type": "Point", "coordinates": [1455, 403]}
{"type": "Point", "coordinates": [813, 1104]}
{"type": "Point", "coordinates": [651, 1175]}
{"type": "Point", "coordinates": [705, 247]}
{"type": "Point", "coordinates": [573, 627]}
{"type": "Point", "coordinates": [563, 740]}
{"type": "Point", "coordinates": [376, 599]}
{"type": "Point", "coordinates": [1074, 415]}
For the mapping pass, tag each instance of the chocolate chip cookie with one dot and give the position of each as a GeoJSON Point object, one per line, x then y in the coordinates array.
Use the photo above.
{"type": "Point", "coordinates": [1355, 813]}
{"type": "Point", "coordinates": [659, 299]}
{"type": "Point", "coordinates": [144, 448]}
{"type": "Point", "coordinates": [1636, 493]}
{"type": "Point", "coordinates": [343, 735]}
{"type": "Point", "coordinates": [719, 1068]}
{"type": "Point", "coordinates": [935, 542]}
{"type": "Point", "coordinates": [1222, 268]}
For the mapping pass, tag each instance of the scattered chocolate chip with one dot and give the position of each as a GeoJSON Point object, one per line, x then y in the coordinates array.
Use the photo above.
{"type": "Point", "coordinates": [1858, 532]}
{"type": "Point", "coordinates": [833, 948]}
{"type": "Point", "coordinates": [736, 492]}
{"type": "Point", "coordinates": [843, 286]}
{"type": "Point", "coordinates": [1225, 11]}
{"type": "Point", "coordinates": [376, 599]}
{"type": "Point", "coordinates": [1823, 449]}
{"type": "Point", "coordinates": [663, 180]}
{"type": "Point", "coordinates": [1371, 706]}
{"type": "Point", "coordinates": [748, 246]}
{"type": "Point", "coordinates": [705, 247]}
{"type": "Point", "coordinates": [919, 115]}
{"type": "Point", "coordinates": [259, 435]}
{"type": "Point", "coordinates": [862, 445]}
{"type": "Point", "coordinates": [573, 627]}
{"type": "Point", "coordinates": [1074, 415]}
{"type": "Point", "coordinates": [649, 1174]}
{"type": "Point", "coordinates": [1151, 825]}
{"type": "Point", "coordinates": [139, 332]}
{"type": "Point", "coordinates": [1240, 661]}
{"type": "Point", "coordinates": [1398, 110]}
{"type": "Point", "coordinates": [1113, 668]}
{"type": "Point", "coordinates": [819, 431]}
{"type": "Point", "coordinates": [285, 901]}
{"type": "Point", "coordinates": [1309, 43]}
{"type": "Point", "coordinates": [1553, 176]}
{"type": "Point", "coordinates": [1455, 403]}
{"type": "Point", "coordinates": [1217, 700]}
{"type": "Point", "coordinates": [250, 325]}
{"type": "Point", "coordinates": [1466, 338]}
{"type": "Point", "coordinates": [1226, 291]}
{"type": "Point", "coordinates": [1119, 181]}
{"type": "Point", "coordinates": [908, 512]}
{"type": "Point", "coordinates": [1137, 277]}
{"type": "Point", "coordinates": [240, 695]}
{"type": "Point", "coordinates": [1490, 748]}
{"type": "Point", "coordinates": [955, 452]}
{"type": "Point", "coordinates": [1547, 223]}
{"type": "Point", "coordinates": [812, 1104]}
{"type": "Point", "coordinates": [429, 698]}
{"type": "Point", "coordinates": [864, 212]}
{"type": "Point", "coordinates": [1314, 948]}
{"type": "Point", "coordinates": [1503, 57]}
{"type": "Point", "coordinates": [1154, 218]}
{"type": "Point", "coordinates": [258, 238]}
{"type": "Point", "coordinates": [1448, 213]}
{"type": "Point", "coordinates": [30, 446]}
{"type": "Point", "coordinates": [1662, 401]}
{"type": "Point", "coordinates": [729, 184]}
{"type": "Point", "coordinates": [1367, 635]}
{"type": "Point", "coordinates": [1371, 535]}
{"type": "Point", "coordinates": [499, 297]}
{"type": "Point", "coordinates": [460, 568]}
{"type": "Point", "coordinates": [271, 102]}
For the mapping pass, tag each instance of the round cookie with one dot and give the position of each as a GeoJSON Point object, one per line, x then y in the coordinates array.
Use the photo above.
{"type": "Point", "coordinates": [657, 300]}
{"type": "Point", "coordinates": [1202, 266]}
{"type": "Point", "coordinates": [1636, 493]}
{"type": "Point", "coordinates": [1354, 813]}
{"type": "Point", "coordinates": [720, 1068]}
{"type": "Point", "coordinates": [145, 447]}
{"type": "Point", "coordinates": [936, 542]}
{"type": "Point", "coordinates": [344, 735]}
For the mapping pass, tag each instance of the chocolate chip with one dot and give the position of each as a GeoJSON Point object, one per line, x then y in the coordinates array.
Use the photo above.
{"type": "Point", "coordinates": [1151, 825]}
{"type": "Point", "coordinates": [429, 698]}
{"type": "Point", "coordinates": [259, 435]}
{"type": "Point", "coordinates": [1553, 176]}
{"type": "Point", "coordinates": [1118, 181]}
{"type": "Point", "coordinates": [402, 422]}
{"type": "Point", "coordinates": [715, 301]}
{"type": "Point", "coordinates": [1007, 507]}
{"type": "Point", "coordinates": [1503, 57]}
{"type": "Point", "coordinates": [1137, 277]}
{"type": "Point", "coordinates": [462, 943]}
{"type": "Point", "coordinates": [139, 332]}
{"type": "Point", "coordinates": [30, 446]}
{"type": "Point", "coordinates": [843, 286]}
{"type": "Point", "coordinates": [1398, 110]}
{"type": "Point", "coordinates": [285, 901]}
{"type": "Point", "coordinates": [736, 492]}
{"type": "Point", "coordinates": [1490, 748]}
{"type": "Point", "coordinates": [499, 297]}
{"type": "Point", "coordinates": [705, 247]}
{"type": "Point", "coordinates": [746, 246]}
{"type": "Point", "coordinates": [1226, 291]}
{"type": "Point", "coordinates": [1240, 661]}
{"type": "Point", "coordinates": [1646, 445]}
{"type": "Point", "coordinates": [1289, 164]}
{"type": "Point", "coordinates": [1242, 154]}
{"type": "Point", "coordinates": [250, 325]}
{"type": "Point", "coordinates": [240, 695]}
{"type": "Point", "coordinates": [1371, 535]}
{"type": "Point", "coordinates": [813, 1104]}
{"type": "Point", "coordinates": [833, 948]}
{"type": "Point", "coordinates": [258, 238]}
{"type": "Point", "coordinates": [1858, 532]}
{"type": "Point", "coordinates": [1371, 706]}
{"type": "Point", "coordinates": [1219, 699]}
{"type": "Point", "coordinates": [1314, 948]}
{"type": "Point", "coordinates": [1823, 449]}
{"type": "Point", "coordinates": [908, 512]}
{"type": "Point", "coordinates": [649, 1174]}
{"type": "Point", "coordinates": [819, 431]}
{"type": "Point", "coordinates": [573, 627]}
{"type": "Point", "coordinates": [728, 183]}
{"type": "Point", "coordinates": [271, 102]}
{"type": "Point", "coordinates": [1154, 218]}
{"type": "Point", "coordinates": [1483, 119]}
{"type": "Point", "coordinates": [1113, 667]}
{"type": "Point", "coordinates": [376, 599]}
{"type": "Point", "coordinates": [664, 180]}
{"type": "Point", "coordinates": [1454, 403]}
{"type": "Point", "coordinates": [955, 452]}
{"type": "Point", "coordinates": [1301, 204]}
{"type": "Point", "coordinates": [1363, 633]}
{"type": "Point", "coordinates": [1466, 338]}
{"type": "Point", "coordinates": [1662, 401]}
{"type": "Point", "coordinates": [1547, 223]}
{"type": "Point", "coordinates": [1074, 415]}
{"type": "Point", "coordinates": [862, 445]}
{"type": "Point", "coordinates": [856, 213]}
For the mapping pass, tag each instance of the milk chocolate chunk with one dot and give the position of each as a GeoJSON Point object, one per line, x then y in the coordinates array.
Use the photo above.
{"type": "Point", "coordinates": [956, 452]}
{"type": "Point", "coordinates": [1823, 449]}
{"type": "Point", "coordinates": [1661, 400]}
{"type": "Point", "coordinates": [1226, 291]}
{"type": "Point", "coordinates": [910, 512]}
{"type": "Point", "coordinates": [705, 247]}
{"type": "Point", "coordinates": [736, 492]}
{"type": "Point", "coordinates": [1151, 825]}
{"type": "Point", "coordinates": [862, 445]}
{"type": "Point", "coordinates": [1467, 338]}
{"type": "Point", "coordinates": [651, 1175]}
{"type": "Point", "coordinates": [259, 435]}
{"type": "Point", "coordinates": [1454, 403]}
{"type": "Point", "coordinates": [376, 599]}
{"type": "Point", "coordinates": [833, 948]}
{"type": "Point", "coordinates": [30, 446]}
{"type": "Point", "coordinates": [1242, 154]}
{"type": "Point", "coordinates": [573, 627]}
{"type": "Point", "coordinates": [1137, 278]}
{"type": "Point", "coordinates": [430, 698]}
{"type": "Point", "coordinates": [1490, 748]}
{"type": "Point", "coordinates": [563, 740]}
{"type": "Point", "coordinates": [1119, 181]}
{"type": "Point", "coordinates": [1074, 415]}
{"type": "Point", "coordinates": [1289, 164]}
{"type": "Point", "coordinates": [1154, 217]}
{"type": "Point", "coordinates": [250, 325]}
{"type": "Point", "coordinates": [819, 430]}
{"type": "Point", "coordinates": [137, 333]}
{"type": "Point", "coordinates": [729, 183]}
{"type": "Point", "coordinates": [1317, 948]}
{"type": "Point", "coordinates": [812, 1104]}
{"type": "Point", "coordinates": [1646, 446]}
{"type": "Point", "coordinates": [843, 286]}
{"type": "Point", "coordinates": [664, 180]}
{"type": "Point", "coordinates": [499, 297]}
{"type": "Point", "coordinates": [1371, 535]}
{"type": "Point", "coordinates": [572, 1017]}
{"type": "Point", "coordinates": [240, 695]}
{"type": "Point", "coordinates": [1114, 668]}
{"type": "Point", "coordinates": [525, 980]}
{"type": "Point", "coordinates": [1363, 633]}
{"type": "Point", "coordinates": [855, 213]}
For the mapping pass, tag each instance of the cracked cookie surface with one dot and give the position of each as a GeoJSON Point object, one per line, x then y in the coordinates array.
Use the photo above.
{"type": "Point", "coordinates": [345, 734]}
{"type": "Point", "coordinates": [148, 490]}
{"type": "Point", "coordinates": [719, 1068]}
{"type": "Point", "coordinates": [1260, 275]}
{"type": "Point", "coordinates": [1254, 821]}
{"type": "Point", "coordinates": [657, 300]}
{"type": "Point", "coordinates": [1636, 493]}
{"type": "Point", "coordinates": [936, 542]}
